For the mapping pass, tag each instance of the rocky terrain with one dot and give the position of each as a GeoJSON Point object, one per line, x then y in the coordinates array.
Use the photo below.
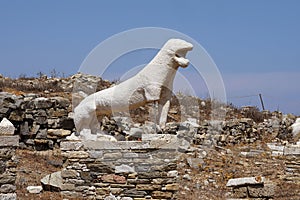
{"type": "Point", "coordinates": [248, 154]}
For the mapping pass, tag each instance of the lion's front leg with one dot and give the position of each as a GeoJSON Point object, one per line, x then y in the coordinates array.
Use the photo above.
{"type": "Point", "coordinates": [164, 107]}
{"type": "Point", "coordinates": [163, 113]}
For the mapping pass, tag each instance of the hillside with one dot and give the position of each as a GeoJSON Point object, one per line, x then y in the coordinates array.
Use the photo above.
{"type": "Point", "coordinates": [245, 143]}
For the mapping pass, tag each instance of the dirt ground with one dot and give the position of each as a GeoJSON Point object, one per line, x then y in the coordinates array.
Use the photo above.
{"type": "Point", "coordinates": [32, 167]}
{"type": "Point", "coordinates": [221, 164]}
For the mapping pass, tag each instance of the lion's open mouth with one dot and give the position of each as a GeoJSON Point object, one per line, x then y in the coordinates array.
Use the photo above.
{"type": "Point", "coordinates": [181, 60]}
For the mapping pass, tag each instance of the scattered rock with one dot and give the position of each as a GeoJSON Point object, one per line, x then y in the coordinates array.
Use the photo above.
{"type": "Point", "coordinates": [195, 163]}
{"type": "Point", "coordinates": [245, 181]}
{"type": "Point", "coordinates": [187, 177]}
{"type": "Point", "coordinates": [52, 182]}
{"type": "Point", "coordinates": [34, 189]}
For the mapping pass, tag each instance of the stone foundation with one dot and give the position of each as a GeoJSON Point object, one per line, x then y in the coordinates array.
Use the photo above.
{"type": "Point", "coordinates": [128, 169]}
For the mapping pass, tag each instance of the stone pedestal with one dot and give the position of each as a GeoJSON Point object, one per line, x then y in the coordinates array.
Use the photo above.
{"type": "Point", "coordinates": [127, 169]}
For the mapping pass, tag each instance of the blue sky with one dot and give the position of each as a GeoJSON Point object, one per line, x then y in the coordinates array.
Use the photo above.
{"type": "Point", "coordinates": [255, 44]}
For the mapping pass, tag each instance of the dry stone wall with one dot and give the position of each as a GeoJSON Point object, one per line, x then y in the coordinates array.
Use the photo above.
{"type": "Point", "coordinates": [40, 122]}
{"type": "Point", "coordinates": [8, 164]}
{"type": "Point", "coordinates": [125, 169]}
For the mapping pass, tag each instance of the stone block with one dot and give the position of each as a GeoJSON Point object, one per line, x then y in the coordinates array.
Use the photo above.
{"type": "Point", "coordinates": [173, 173]}
{"type": "Point", "coordinates": [9, 141]}
{"type": "Point", "coordinates": [71, 145]}
{"type": "Point", "coordinates": [162, 195]}
{"type": "Point", "coordinates": [81, 188]}
{"type": "Point", "coordinates": [138, 181]}
{"type": "Point", "coordinates": [152, 175]}
{"type": "Point", "coordinates": [240, 192]}
{"type": "Point", "coordinates": [68, 186]}
{"type": "Point", "coordinates": [112, 156]}
{"type": "Point", "coordinates": [75, 154]}
{"type": "Point", "coordinates": [59, 133]}
{"type": "Point", "coordinates": [135, 193]}
{"type": "Point", "coordinates": [42, 103]}
{"type": "Point", "coordinates": [121, 185]}
{"type": "Point", "coordinates": [130, 155]}
{"type": "Point", "coordinates": [71, 194]}
{"type": "Point", "coordinates": [245, 181]}
{"type": "Point", "coordinates": [126, 198]}
{"type": "Point", "coordinates": [102, 191]}
{"type": "Point", "coordinates": [267, 191]}
{"type": "Point", "coordinates": [7, 188]}
{"type": "Point", "coordinates": [292, 150]}
{"type": "Point", "coordinates": [116, 191]}
{"type": "Point", "coordinates": [86, 176]}
{"type": "Point", "coordinates": [124, 169]}
{"type": "Point", "coordinates": [69, 173]}
{"type": "Point", "coordinates": [101, 167]}
{"type": "Point", "coordinates": [111, 145]}
{"type": "Point", "coordinates": [112, 178]}
{"type": "Point", "coordinates": [148, 187]}
{"type": "Point", "coordinates": [9, 196]}
{"type": "Point", "coordinates": [77, 182]}
{"type": "Point", "coordinates": [95, 154]}
{"type": "Point", "coordinates": [172, 187]}
{"type": "Point", "coordinates": [7, 179]}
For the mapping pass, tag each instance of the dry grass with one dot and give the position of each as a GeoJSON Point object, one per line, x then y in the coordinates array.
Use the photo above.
{"type": "Point", "coordinates": [255, 114]}
{"type": "Point", "coordinates": [29, 85]}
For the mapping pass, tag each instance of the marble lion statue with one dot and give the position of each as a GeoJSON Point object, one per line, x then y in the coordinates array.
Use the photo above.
{"type": "Point", "coordinates": [153, 84]}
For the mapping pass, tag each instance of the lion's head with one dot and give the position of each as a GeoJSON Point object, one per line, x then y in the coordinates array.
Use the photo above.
{"type": "Point", "coordinates": [178, 49]}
